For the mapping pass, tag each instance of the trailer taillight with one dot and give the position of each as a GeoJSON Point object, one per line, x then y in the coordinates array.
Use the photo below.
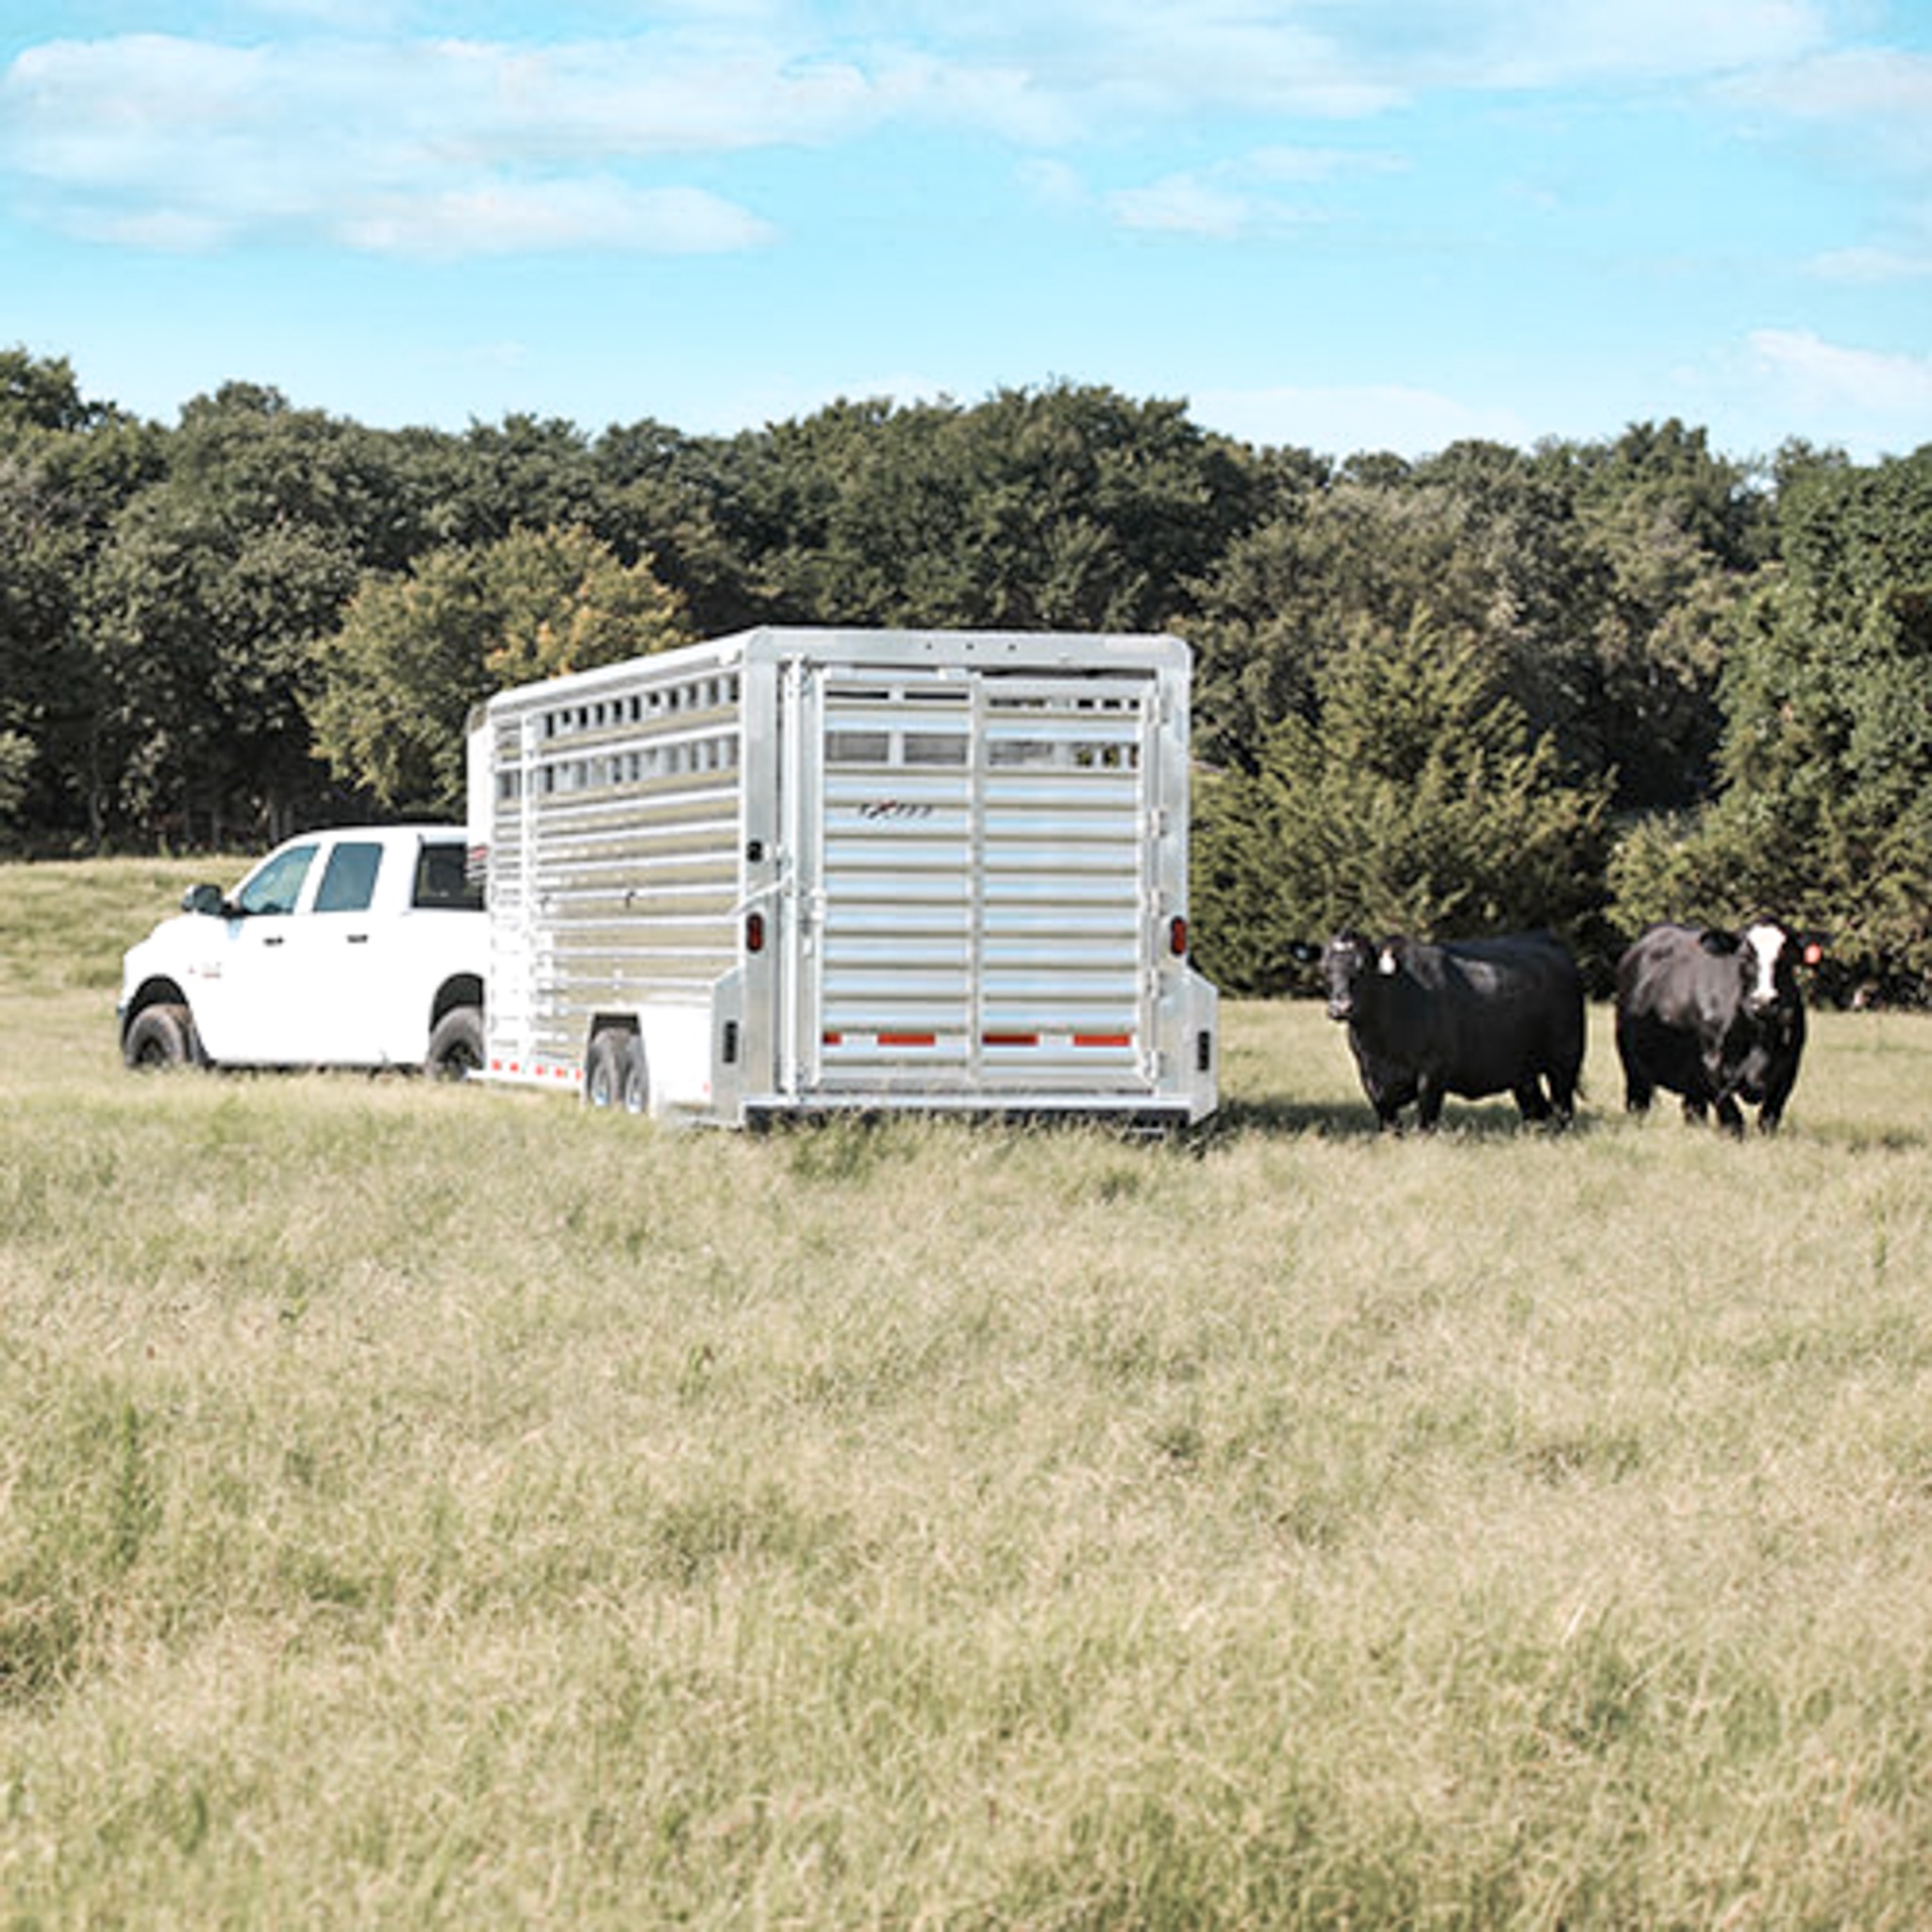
{"type": "Point", "coordinates": [754, 932]}
{"type": "Point", "coordinates": [1177, 936]}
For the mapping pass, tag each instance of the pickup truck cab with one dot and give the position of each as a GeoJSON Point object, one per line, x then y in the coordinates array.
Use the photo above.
{"type": "Point", "coordinates": [358, 947]}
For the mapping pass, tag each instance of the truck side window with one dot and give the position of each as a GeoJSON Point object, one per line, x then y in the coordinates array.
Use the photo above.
{"type": "Point", "coordinates": [278, 884]}
{"type": "Point", "coordinates": [442, 881]}
{"type": "Point", "coordinates": [348, 882]}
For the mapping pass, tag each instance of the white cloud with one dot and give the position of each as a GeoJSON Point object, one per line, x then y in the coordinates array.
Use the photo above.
{"type": "Point", "coordinates": [167, 140]}
{"type": "Point", "coordinates": [1234, 199]}
{"type": "Point", "coordinates": [1352, 59]}
{"type": "Point", "coordinates": [1187, 204]}
{"type": "Point", "coordinates": [1872, 105]}
{"type": "Point", "coordinates": [1826, 382]}
{"type": "Point", "coordinates": [1873, 267]}
{"type": "Point", "coordinates": [440, 147]}
{"type": "Point", "coordinates": [514, 217]}
{"type": "Point", "coordinates": [1851, 84]}
{"type": "Point", "coordinates": [1056, 185]}
{"type": "Point", "coordinates": [1521, 43]}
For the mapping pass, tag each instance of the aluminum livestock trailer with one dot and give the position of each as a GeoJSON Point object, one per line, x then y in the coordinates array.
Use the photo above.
{"type": "Point", "coordinates": [797, 871]}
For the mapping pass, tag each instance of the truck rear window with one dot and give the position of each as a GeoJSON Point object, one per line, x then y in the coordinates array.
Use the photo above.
{"type": "Point", "coordinates": [442, 882]}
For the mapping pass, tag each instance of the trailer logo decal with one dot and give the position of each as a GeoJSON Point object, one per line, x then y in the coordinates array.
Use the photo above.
{"type": "Point", "coordinates": [899, 809]}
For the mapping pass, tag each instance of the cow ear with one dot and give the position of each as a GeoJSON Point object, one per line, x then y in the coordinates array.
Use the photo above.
{"type": "Point", "coordinates": [1719, 945]}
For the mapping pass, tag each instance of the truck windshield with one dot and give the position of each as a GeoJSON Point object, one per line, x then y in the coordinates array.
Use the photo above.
{"type": "Point", "coordinates": [277, 886]}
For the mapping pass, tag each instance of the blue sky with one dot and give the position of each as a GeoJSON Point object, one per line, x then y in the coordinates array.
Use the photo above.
{"type": "Point", "coordinates": [1344, 225]}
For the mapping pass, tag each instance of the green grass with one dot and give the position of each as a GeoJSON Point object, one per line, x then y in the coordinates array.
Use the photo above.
{"type": "Point", "coordinates": [437, 1506]}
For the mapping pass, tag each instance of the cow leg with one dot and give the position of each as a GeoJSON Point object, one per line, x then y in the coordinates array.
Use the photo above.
{"type": "Point", "coordinates": [1730, 1116]}
{"type": "Point", "coordinates": [1530, 1101]}
{"type": "Point", "coordinates": [1638, 1085]}
{"type": "Point", "coordinates": [1773, 1110]}
{"type": "Point", "coordinates": [1428, 1104]}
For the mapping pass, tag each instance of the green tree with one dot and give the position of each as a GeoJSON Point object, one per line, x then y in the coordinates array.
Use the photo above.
{"type": "Point", "coordinates": [68, 467]}
{"type": "Point", "coordinates": [414, 653]}
{"type": "Point", "coordinates": [662, 496]}
{"type": "Point", "coordinates": [1416, 800]}
{"type": "Point", "coordinates": [1475, 539]}
{"type": "Point", "coordinates": [201, 612]}
{"type": "Point", "coordinates": [1066, 507]}
{"type": "Point", "coordinates": [16, 762]}
{"type": "Point", "coordinates": [1824, 807]}
{"type": "Point", "coordinates": [1598, 581]}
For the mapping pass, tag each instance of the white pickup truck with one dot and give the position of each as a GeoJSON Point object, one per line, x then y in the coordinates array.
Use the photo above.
{"type": "Point", "coordinates": [358, 947]}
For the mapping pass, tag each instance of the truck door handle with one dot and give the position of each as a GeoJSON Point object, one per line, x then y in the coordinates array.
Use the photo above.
{"type": "Point", "coordinates": [358, 939]}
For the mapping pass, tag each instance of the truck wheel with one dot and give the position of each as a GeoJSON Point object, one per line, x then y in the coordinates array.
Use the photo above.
{"type": "Point", "coordinates": [634, 1086]}
{"type": "Point", "coordinates": [455, 1046]}
{"type": "Point", "coordinates": [161, 1036]}
{"type": "Point", "coordinates": [604, 1069]}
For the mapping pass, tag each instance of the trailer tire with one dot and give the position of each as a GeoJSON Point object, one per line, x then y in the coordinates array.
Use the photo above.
{"type": "Point", "coordinates": [634, 1086]}
{"type": "Point", "coordinates": [455, 1046]}
{"type": "Point", "coordinates": [161, 1036]}
{"type": "Point", "coordinates": [603, 1069]}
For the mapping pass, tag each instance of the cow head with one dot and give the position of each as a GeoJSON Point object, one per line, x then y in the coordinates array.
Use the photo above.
{"type": "Point", "coordinates": [1768, 955]}
{"type": "Point", "coordinates": [1350, 965]}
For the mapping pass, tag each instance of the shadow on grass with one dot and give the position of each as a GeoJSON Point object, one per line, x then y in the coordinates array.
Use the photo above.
{"type": "Point", "coordinates": [1273, 1117]}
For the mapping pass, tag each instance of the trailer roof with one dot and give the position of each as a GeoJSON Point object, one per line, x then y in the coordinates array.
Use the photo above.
{"type": "Point", "coordinates": [1042, 649]}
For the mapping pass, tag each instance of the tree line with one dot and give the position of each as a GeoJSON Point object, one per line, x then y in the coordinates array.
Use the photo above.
{"type": "Point", "coordinates": [1584, 684]}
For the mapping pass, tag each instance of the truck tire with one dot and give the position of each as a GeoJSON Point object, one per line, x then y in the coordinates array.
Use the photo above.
{"type": "Point", "coordinates": [634, 1078]}
{"type": "Point", "coordinates": [603, 1069]}
{"type": "Point", "coordinates": [161, 1036]}
{"type": "Point", "coordinates": [455, 1046]}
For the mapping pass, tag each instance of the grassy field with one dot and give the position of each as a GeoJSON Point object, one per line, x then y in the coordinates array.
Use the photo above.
{"type": "Point", "coordinates": [430, 1506]}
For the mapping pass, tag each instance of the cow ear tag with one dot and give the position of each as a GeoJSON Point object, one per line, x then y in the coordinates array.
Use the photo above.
{"type": "Point", "coordinates": [1812, 953]}
{"type": "Point", "coordinates": [1386, 964]}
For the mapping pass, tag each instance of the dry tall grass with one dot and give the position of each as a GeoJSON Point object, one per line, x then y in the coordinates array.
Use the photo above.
{"type": "Point", "coordinates": [434, 1507]}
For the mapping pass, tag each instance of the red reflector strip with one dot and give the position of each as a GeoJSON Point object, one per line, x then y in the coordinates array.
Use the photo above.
{"type": "Point", "coordinates": [907, 1039]}
{"type": "Point", "coordinates": [1009, 1040]}
{"type": "Point", "coordinates": [1103, 1040]}
{"type": "Point", "coordinates": [835, 1040]}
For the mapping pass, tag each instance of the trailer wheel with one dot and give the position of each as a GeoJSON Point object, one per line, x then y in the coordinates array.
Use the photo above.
{"type": "Point", "coordinates": [455, 1046]}
{"type": "Point", "coordinates": [604, 1069]}
{"type": "Point", "coordinates": [161, 1036]}
{"type": "Point", "coordinates": [635, 1084]}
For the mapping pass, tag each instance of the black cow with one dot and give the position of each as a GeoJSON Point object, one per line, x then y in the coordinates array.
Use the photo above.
{"type": "Point", "coordinates": [1471, 1017]}
{"type": "Point", "coordinates": [1714, 1016]}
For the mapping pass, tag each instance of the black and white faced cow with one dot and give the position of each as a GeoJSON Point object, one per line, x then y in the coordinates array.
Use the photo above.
{"type": "Point", "coordinates": [1471, 1017]}
{"type": "Point", "coordinates": [1714, 1016]}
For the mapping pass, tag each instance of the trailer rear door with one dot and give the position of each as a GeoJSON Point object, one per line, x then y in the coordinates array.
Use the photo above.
{"type": "Point", "coordinates": [972, 907]}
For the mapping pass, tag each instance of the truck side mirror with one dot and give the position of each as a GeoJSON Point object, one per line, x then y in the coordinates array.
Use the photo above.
{"type": "Point", "coordinates": [206, 900]}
